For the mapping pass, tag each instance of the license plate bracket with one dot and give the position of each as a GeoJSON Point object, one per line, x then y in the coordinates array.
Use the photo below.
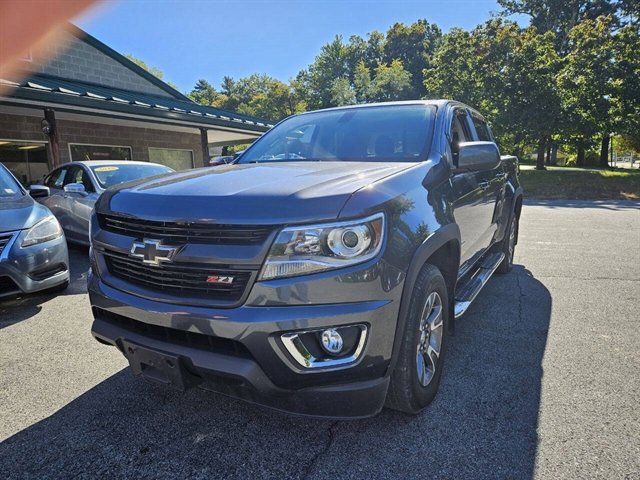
{"type": "Point", "coordinates": [158, 366]}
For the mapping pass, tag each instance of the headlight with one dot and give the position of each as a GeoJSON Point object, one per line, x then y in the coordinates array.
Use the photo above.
{"type": "Point", "coordinates": [315, 248]}
{"type": "Point", "coordinates": [43, 231]}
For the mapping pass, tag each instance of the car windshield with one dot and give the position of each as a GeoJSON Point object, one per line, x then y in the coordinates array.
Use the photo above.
{"type": "Point", "coordinates": [9, 187]}
{"type": "Point", "coordinates": [110, 175]}
{"type": "Point", "coordinates": [392, 133]}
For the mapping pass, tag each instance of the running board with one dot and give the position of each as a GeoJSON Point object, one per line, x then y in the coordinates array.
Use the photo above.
{"type": "Point", "coordinates": [468, 291]}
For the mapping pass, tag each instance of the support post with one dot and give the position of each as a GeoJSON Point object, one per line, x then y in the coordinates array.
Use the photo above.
{"type": "Point", "coordinates": [204, 142]}
{"type": "Point", "coordinates": [54, 139]}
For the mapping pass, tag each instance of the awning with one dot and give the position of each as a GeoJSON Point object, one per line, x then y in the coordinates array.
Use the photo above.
{"type": "Point", "coordinates": [68, 94]}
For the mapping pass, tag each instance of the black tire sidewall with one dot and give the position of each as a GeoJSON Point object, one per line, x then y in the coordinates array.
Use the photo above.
{"type": "Point", "coordinates": [429, 280]}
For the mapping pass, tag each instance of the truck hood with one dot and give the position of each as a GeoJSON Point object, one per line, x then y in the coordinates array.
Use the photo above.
{"type": "Point", "coordinates": [20, 213]}
{"type": "Point", "coordinates": [260, 193]}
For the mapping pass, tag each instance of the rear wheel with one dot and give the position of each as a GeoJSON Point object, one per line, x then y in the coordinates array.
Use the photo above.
{"type": "Point", "coordinates": [416, 377]}
{"type": "Point", "coordinates": [508, 245]}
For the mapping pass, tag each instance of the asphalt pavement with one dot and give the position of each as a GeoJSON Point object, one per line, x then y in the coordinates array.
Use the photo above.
{"type": "Point", "coordinates": [542, 380]}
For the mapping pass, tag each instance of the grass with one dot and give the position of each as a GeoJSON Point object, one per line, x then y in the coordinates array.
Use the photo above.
{"type": "Point", "coordinates": [581, 184]}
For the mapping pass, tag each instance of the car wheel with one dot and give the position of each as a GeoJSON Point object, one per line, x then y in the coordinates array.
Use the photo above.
{"type": "Point", "coordinates": [508, 245]}
{"type": "Point", "coordinates": [416, 377]}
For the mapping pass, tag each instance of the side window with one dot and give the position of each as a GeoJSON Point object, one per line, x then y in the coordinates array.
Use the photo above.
{"type": "Point", "coordinates": [459, 129]}
{"type": "Point", "coordinates": [481, 129]}
{"type": "Point", "coordinates": [56, 178]}
{"type": "Point", "coordinates": [86, 181]}
{"type": "Point", "coordinates": [74, 175]}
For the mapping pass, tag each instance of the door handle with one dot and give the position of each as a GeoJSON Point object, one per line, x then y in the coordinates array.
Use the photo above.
{"type": "Point", "coordinates": [483, 185]}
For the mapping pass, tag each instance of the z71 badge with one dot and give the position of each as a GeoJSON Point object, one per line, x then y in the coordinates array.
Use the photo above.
{"type": "Point", "coordinates": [219, 279]}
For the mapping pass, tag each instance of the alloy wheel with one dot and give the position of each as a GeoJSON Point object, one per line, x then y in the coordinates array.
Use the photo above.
{"type": "Point", "coordinates": [430, 342]}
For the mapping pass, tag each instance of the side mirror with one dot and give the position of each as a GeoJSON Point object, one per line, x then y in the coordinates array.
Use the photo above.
{"type": "Point", "coordinates": [39, 191]}
{"type": "Point", "coordinates": [75, 188]}
{"type": "Point", "coordinates": [477, 156]}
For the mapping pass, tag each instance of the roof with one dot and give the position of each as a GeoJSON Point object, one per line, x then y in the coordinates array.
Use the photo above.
{"type": "Point", "coordinates": [102, 163]}
{"type": "Point", "coordinates": [107, 50]}
{"type": "Point", "coordinates": [57, 90]}
{"type": "Point", "coordinates": [437, 103]}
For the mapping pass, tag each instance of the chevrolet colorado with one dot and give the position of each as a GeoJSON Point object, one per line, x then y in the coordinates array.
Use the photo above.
{"type": "Point", "coordinates": [322, 272]}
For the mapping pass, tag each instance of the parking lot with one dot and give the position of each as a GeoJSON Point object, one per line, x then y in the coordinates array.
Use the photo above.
{"type": "Point", "coordinates": [541, 381]}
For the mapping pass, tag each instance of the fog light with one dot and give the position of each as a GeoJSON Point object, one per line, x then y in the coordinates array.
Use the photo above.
{"type": "Point", "coordinates": [332, 341]}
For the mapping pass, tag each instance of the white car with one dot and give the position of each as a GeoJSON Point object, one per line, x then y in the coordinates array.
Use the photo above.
{"type": "Point", "coordinates": [71, 190]}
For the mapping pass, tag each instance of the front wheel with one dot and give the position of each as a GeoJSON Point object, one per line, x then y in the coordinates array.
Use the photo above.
{"type": "Point", "coordinates": [416, 377]}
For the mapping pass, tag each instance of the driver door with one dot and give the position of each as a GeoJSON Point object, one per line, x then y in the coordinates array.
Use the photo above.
{"type": "Point", "coordinates": [78, 206]}
{"type": "Point", "coordinates": [470, 208]}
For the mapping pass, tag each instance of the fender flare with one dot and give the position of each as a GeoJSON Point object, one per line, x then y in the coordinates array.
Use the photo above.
{"type": "Point", "coordinates": [519, 193]}
{"type": "Point", "coordinates": [436, 240]}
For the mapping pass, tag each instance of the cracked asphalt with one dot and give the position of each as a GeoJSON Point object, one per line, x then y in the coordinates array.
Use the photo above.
{"type": "Point", "coordinates": [542, 380]}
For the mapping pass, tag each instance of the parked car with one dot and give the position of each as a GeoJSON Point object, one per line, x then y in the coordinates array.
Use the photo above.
{"type": "Point", "coordinates": [321, 273]}
{"type": "Point", "coordinates": [225, 159]}
{"type": "Point", "coordinates": [33, 250]}
{"type": "Point", "coordinates": [74, 188]}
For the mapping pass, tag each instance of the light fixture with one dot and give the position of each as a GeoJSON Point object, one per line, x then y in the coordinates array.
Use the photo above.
{"type": "Point", "coordinates": [332, 341]}
{"type": "Point", "coordinates": [29, 147]}
{"type": "Point", "coordinates": [4, 143]}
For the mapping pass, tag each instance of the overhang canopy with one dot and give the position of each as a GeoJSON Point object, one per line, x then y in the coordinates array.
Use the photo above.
{"type": "Point", "coordinates": [67, 94]}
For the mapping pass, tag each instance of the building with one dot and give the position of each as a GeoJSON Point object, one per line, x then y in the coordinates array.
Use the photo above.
{"type": "Point", "coordinates": [82, 100]}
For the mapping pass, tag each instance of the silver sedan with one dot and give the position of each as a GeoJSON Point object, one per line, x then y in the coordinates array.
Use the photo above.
{"type": "Point", "coordinates": [71, 191]}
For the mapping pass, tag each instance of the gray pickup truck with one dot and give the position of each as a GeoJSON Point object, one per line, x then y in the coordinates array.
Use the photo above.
{"type": "Point", "coordinates": [322, 272]}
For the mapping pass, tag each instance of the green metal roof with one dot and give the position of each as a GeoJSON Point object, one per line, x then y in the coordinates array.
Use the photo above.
{"type": "Point", "coordinates": [72, 93]}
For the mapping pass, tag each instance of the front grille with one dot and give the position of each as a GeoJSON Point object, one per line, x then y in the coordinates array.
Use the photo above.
{"type": "Point", "coordinates": [185, 232]}
{"type": "Point", "coordinates": [4, 239]}
{"type": "Point", "coordinates": [178, 279]}
{"type": "Point", "coordinates": [172, 335]}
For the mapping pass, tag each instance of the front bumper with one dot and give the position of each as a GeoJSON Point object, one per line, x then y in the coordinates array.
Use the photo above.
{"type": "Point", "coordinates": [264, 372]}
{"type": "Point", "coordinates": [34, 268]}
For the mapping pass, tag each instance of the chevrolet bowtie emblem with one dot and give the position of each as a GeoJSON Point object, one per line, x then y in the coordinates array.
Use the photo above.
{"type": "Point", "coordinates": [151, 252]}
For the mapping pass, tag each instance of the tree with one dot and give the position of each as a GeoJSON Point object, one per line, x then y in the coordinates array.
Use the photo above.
{"type": "Point", "coordinates": [453, 72]}
{"type": "Point", "coordinates": [559, 16]}
{"type": "Point", "coordinates": [204, 93]}
{"type": "Point", "coordinates": [362, 82]}
{"type": "Point", "coordinates": [413, 45]}
{"type": "Point", "coordinates": [625, 102]}
{"type": "Point", "coordinates": [507, 73]}
{"type": "Point", "coordinates": [342, 93]}
{"type": "Point", "coordinates": [391, 82]}
{"type": "Point", "coordinates": [156, 72]}
{"type": "Point", "coordinates": [586, 85]}
{"type": "Point", "coordinates": [332, 62]}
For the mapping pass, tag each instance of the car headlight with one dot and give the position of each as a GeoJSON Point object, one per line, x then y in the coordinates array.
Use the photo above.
{"type": "Point", "coordinates": [308, 249]}
{"type": "Point", "coordinates": [43, 231]}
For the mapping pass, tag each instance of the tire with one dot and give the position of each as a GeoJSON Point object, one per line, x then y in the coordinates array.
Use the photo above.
{"type": "Point", "coordinates": [411, 388]}
{"type": "Point", "coordinates": [508, 245]}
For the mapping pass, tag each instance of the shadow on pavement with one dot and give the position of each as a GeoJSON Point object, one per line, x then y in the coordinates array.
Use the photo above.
{"type": "Point", "coordinates": [481, 425]}
{"type": "Point", "coordinates": [23, 307]}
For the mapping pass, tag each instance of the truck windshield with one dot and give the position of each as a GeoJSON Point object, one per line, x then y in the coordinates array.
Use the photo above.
{"type": "Point", "coordinates": [9, 188]}
{"type": "Point", "coordinates": [393, 133]}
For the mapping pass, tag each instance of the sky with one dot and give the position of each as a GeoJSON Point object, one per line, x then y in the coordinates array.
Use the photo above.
{"type": "Point", "coordinates": [193, 39]}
